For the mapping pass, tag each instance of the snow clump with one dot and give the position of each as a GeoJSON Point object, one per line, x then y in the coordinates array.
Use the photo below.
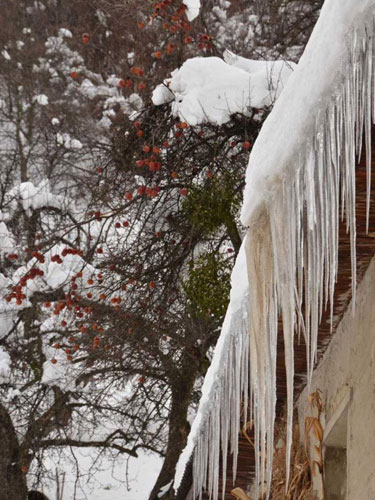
{"type": "Point", "coordinates": [210, 89]}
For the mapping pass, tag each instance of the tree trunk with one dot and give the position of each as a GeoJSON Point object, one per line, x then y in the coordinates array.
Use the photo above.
{"type": "Point", "coordinates": [12, 479]}
{"type": "Point", "coordinates": [178, 431]}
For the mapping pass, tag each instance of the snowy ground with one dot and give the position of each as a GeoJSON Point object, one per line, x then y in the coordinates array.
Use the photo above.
{"type": "Point", "coordinates": [127, 480]}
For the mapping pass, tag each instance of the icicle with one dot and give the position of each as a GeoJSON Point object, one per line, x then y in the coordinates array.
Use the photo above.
{"type": "Point", "coordinates": [367, 88]}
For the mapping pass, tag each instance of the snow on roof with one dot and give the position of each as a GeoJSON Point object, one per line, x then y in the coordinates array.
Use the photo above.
{"type": "Point", "coordinates": [301, 173]}
{"type": "Point", "coordinates": [208, 89]}
{"type": "Point", "coordinates": [291, 124]}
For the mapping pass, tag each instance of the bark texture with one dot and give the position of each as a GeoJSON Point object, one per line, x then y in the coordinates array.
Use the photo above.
{"type": "Point", "coordinates": [12, 479]}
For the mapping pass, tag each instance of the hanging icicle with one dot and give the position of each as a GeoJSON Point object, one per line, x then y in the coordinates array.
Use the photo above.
{"type": "Point", "coordinates": [291, 252]}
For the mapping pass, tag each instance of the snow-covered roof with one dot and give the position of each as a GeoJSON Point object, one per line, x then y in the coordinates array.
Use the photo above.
{"type": "Point", "coordinates": [289, 129]}
{"type": "Point", "coordinates": [301, 173]}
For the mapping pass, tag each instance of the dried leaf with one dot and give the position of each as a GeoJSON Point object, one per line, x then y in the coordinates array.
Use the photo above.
{"type": "Point", "coordinates": [319, 465]}
{"type": "Point", "coordinates": [319, 452]}
{"type": "Point", "coordinates": [318, 430]}
{"type": "Point", "coordinates": [239, 494]}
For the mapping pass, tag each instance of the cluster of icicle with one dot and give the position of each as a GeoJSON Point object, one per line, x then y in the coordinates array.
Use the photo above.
{"type": "Point", "coordinates": [292, 259]}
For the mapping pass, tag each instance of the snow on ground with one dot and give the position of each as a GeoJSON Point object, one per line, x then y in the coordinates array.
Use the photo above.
{"type": "Point", "coordinates": [109, 483]}
{"type": "Point", "coordinates": [209, 89]}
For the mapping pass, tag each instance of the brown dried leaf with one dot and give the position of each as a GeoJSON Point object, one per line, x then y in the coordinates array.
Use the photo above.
{"type": "Point", "coordinates": [319, 465]}
{"type": "Point", "coordinates": [239, 494]}
{"type": "Point", "coordinates": [319, 452]}
{"type": "Point", "coordinates": [318, 430]}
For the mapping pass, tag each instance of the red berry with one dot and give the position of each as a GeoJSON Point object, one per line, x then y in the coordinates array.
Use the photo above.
{"type": "Point", "coordinates": [136, 70]}
{"type": "Point", "coordinates": [170, 48]}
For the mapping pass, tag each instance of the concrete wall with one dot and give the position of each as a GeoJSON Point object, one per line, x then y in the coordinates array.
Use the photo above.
{"type": "Point", "coordinates": [346, 378]}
